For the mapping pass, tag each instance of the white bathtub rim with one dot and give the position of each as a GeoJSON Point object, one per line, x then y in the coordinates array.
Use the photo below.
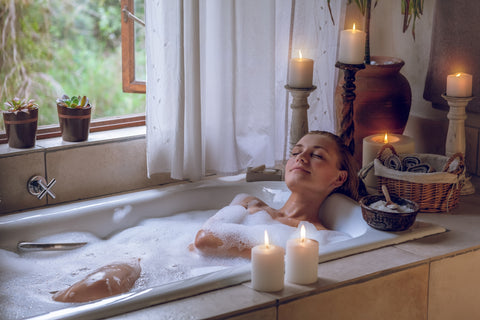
{"type": "Point", "coordinates": [375, 239]}
{"type": "Point", "coordinates": [138, 300]}
{"type": "Point", "coordinates": [369, 240]}
{"type": "Point", "coordinates": [84, 209]}
{"type": "Point", "coordinates": [145, 298]}
{"type": "Point", "coordinates": [366, 236]}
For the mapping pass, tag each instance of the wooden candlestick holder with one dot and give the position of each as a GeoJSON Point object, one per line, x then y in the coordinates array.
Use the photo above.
{"type": "Point", "coordinates": [456, 132]}
{"type": "Point", "coordinates": [347, 127]}
{"type": "Point", "coordinates": [299, 123]}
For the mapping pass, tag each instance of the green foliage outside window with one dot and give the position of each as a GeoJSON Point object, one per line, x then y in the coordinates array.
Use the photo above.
{"type": "Point", "coordinates": [55, 47]}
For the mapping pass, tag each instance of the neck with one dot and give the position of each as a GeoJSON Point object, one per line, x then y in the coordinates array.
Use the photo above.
{"type": "Point", "coordinates": [303, 206]}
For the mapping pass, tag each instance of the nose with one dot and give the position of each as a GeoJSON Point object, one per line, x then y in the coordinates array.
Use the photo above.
{"type": "Point", "coordinates": [302, 157]}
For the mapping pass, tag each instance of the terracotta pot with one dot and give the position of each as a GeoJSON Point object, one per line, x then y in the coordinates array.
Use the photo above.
{"type": "Point", "coordinates": [382, 103]}
{"type": "Point", "coordinates": [21, 128]}
{"type": "Point", "coordinates": [74, 123]}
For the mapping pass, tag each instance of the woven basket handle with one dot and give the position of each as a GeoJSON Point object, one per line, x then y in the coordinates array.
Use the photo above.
{"type": "Point", "coordinates": [385, 147]}
{"type": "Point", "coordinates": [363, 172]}
{"type": "Point", "coordinates": [459, 169]}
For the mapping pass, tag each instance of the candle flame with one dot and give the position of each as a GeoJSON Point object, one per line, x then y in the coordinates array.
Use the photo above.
{"type": "Point", "coordinates": [267, 242]}
{"type": "Point", "coordinates": [300, 54]}
{"type": "Point", "coordinates": [354, 26]}
{"type": "Point", "coordinates": [458, 74]}
{"type": "Point", "coordinates": [303, 233]}
{"type": "Point", "coordinates": [385, 138]}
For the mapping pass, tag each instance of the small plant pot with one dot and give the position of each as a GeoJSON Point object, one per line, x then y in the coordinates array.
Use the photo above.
{"type": "Point", "coordinates": [74, 123]}
{"type": "Point", "coordinates": [21, 128]}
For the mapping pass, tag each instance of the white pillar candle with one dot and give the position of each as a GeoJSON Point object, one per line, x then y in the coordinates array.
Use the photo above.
{"type": "Point", "coordinates": [352, 46]}
{"type": "Point", "coordinates": [459, 85]}
{"type": "Point", "coordinates": [372, 145]}
{"type": "Point", "coordinates": [302, 259]}
{"type": "Point", "coordinates": [268, 267]}
{"type": "Point", "coordinates": [300, 72]}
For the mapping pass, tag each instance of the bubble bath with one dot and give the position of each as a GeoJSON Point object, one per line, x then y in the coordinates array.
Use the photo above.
{"type": "Point", "coordinates": [157, 226]}
{"type": "Point", "coordinates": [163, 251]}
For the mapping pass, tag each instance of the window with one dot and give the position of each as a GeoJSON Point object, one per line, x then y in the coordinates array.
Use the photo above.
{"type": "Point", "coordinates": [133, 47]}
{"type": "Point", "coordinates": [70, 47]}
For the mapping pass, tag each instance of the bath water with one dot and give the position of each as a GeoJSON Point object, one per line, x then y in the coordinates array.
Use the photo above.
{"type": "Point", "coordinates": [28, 280]}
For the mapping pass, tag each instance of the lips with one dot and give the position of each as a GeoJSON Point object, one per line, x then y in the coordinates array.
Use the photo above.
{"type": "Point", "coordinates": [299, 168]}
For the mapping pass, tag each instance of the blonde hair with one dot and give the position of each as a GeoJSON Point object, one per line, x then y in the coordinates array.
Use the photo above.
{"type": "Point", "coordinates": [352, 187]}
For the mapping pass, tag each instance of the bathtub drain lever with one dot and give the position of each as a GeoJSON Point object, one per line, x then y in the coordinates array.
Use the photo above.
{"type": "Point", "coordinates": [37, 186]}
{"type": "Point", "coordinates": [36, 246]}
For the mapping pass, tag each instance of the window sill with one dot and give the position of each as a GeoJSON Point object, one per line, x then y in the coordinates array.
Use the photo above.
{"type": "Point", "coordinates": [94, 138]}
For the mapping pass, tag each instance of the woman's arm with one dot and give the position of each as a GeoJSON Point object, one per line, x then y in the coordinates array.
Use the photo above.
{"type": "Point", "coordinates": [209, 244]}
{"type": "Point", "coordinates": [221, 233]}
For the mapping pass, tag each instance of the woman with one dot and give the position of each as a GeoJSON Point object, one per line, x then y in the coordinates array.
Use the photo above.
{"type": "Point", "coordinates": [319, 164]}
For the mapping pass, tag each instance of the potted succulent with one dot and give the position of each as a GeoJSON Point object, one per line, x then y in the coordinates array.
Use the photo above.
{"type": "Point", "coordinates": [74, 115]}
{"type": "Point", "coordinates": [383, 94]}
{"type": "Point", "coordinates": [21, 119]}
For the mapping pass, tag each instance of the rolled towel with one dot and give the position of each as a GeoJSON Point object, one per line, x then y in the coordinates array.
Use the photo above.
{"type": "Point", "coordinates": [410, 161]}
{"type": "Point", "coordinates": [420, 168]}
{"type": "Point", "coordinates": [393, 162]}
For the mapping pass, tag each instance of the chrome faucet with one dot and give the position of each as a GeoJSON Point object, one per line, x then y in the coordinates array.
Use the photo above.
{"type": "Point", "coordinates": [37, 186]}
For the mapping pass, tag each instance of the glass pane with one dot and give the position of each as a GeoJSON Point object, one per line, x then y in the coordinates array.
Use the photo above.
{"type": "Point", "coordinates": [140, 54]}
{"type": "Point", "coordinates": [66, 47]}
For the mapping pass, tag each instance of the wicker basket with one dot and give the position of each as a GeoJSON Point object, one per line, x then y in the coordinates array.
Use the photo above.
{"type": "Point", "coordinates": [435, 191]}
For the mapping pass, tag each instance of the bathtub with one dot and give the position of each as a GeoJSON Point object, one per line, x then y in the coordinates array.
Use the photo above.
{"type": "Point", "coordinates": [107, 216]}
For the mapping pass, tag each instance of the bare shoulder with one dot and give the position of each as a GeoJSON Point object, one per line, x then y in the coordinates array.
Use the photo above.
{"type": "Point", "coordinates": [251, 203]}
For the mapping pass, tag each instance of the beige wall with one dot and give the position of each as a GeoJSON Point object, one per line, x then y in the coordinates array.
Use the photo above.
{"type": "Point", "coordinates": [428, 126]}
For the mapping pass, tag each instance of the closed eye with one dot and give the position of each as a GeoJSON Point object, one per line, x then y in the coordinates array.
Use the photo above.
{"type": "Point", "coordinates": [295, 152]}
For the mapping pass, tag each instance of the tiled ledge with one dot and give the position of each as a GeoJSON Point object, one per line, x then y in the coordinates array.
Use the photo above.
{"type": "Point", "coordinates": [94, 138]}
{"type": "Point", "coordinates": [108, 162]}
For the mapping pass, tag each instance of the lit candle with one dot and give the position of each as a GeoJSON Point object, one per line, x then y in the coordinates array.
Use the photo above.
{"type": "Point", "coordinates": [372, 145]}
{"type": "Point", "coordinates": [459, 85]}
{"type": "Point", "coordinates": [300, 72]}
{"type": "Point", "coordinates": [302, 259]}
{"type": "Point", "coordinates": [352, 46]}
{"type": "Point", "coordinates": [268, 267]}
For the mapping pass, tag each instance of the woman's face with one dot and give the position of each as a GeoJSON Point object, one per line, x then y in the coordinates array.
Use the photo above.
{"type": "Point", "coordinates": [313, 165]}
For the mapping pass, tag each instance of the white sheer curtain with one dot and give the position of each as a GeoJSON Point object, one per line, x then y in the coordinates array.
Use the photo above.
{"type": "Point", "coordinates": [216, 71]}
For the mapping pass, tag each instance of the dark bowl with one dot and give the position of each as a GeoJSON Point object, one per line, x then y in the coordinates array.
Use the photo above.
{"type": "Point", "coordinates": [388, 221]}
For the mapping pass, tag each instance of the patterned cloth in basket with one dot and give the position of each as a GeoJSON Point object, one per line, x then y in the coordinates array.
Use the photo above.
{"type": "Point", "coordinates": [436, 191]}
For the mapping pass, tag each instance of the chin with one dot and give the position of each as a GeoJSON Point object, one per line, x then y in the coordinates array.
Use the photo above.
{"type": "Point", "coordinates": [297, 181]}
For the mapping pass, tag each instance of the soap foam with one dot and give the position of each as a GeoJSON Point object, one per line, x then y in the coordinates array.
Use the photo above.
{"type": "Point", "coordinates": [28, 280]}
{"type": "Point", "coordinates": [236, 227]}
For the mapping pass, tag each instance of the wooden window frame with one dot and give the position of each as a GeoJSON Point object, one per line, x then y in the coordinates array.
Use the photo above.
{"type": "Point", "coordinates": [129, 81]}
{"type": "Point", "coordinates": [129, 85]}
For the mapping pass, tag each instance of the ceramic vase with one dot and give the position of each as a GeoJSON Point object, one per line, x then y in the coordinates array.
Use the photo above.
{"type": "Point", "coordinates": [382, 103]}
